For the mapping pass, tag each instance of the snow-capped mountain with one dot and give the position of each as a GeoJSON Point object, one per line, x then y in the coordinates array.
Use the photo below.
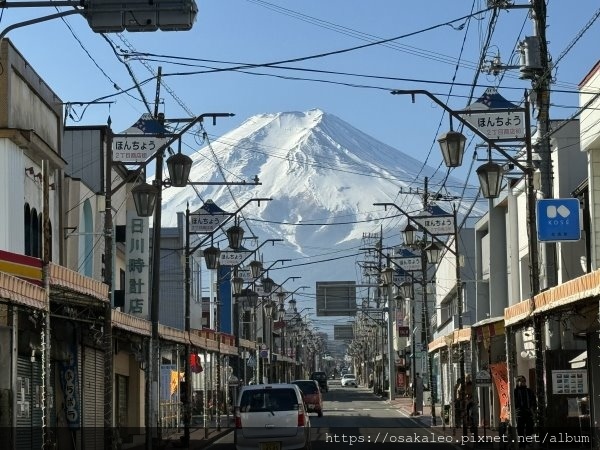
{"type": "Point", "coordinates": [323, 176]}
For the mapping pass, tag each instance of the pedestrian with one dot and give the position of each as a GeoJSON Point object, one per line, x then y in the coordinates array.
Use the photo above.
{"type": "Point", "coordinates": [468, 402]}
{"type": "Point", "coordinates": [458, 410]}
{"type": "Point", "coordinates": [525, 404]}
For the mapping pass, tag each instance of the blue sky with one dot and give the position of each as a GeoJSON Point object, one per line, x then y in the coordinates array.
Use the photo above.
{"type": "Point", "coordinates": [81, 66]}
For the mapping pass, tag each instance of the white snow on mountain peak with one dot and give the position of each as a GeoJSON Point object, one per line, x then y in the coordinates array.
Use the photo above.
{"type": "Point", "coordinates": [323, 176]}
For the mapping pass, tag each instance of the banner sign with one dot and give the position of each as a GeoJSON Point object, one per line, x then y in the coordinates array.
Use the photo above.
{"type": "Point", "coordinates": [70, 385]}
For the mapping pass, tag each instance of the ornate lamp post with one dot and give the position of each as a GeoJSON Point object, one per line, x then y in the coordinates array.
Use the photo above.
{"type": "Point", "coordinates": [490, 177]}
{"type": "Point", "coordinates": [387, 278]}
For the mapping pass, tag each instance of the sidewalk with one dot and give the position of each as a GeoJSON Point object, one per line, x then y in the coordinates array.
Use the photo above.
{"type": "Point", "coordinates": [405, 405]}
{"type": "Point", "coordinates": [200, 437]}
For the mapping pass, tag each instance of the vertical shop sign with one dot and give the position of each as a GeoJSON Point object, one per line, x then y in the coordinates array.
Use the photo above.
{"type": "Point", "coordinates": [137, 258]}
{"type": "Point", "coordinates": [70, 385]}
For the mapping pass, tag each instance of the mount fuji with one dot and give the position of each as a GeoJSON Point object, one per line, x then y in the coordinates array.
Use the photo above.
{"type": "Point", "coordinates": [323, 176]}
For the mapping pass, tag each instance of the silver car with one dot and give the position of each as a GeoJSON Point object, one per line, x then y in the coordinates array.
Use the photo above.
{"type": "Point", "coordinates": [271, 417]}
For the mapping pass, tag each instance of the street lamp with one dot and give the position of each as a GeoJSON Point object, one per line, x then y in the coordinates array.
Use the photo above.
{"type": "Point", "coordinates": [179, 166]}
{"type": "Point", "coordinates": [387, 279]}
{"type": "Point", "coordinates": [453, 148]}
{"type": "Point", "coordinates": [490, 177]}
{"type": "Point", "coordinates": [267, 284]}
{"type": "Point", "coordinates": [211, 257]}
{"type": "Point", "coordinates": [409, 233]}
{"type": "Point", "coordinates": [492, 180]}
{"type": "Point", "coordinates": [235, 235]}
{"type": "Point", "coordinates": [238, 284]}
{"type": "Point", "coordinates": [407, 290]}
{"type": "Point", "coordinates": [144, 197]}
{"type": "Point", "coordinates": [433, 252]}
{"type": "Point", "coordinates": [256, 269]}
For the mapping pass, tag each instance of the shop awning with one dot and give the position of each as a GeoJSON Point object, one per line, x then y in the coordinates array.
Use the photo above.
{"type": "Point", "coordinates": [561, 296]}
{"type": "Point", "coordinates": [488, 328]}
{"type": "Point", "coordinates": [22, 293]}
{"type": "Point", "coordinates": [62, 278]}
{"type": "Point", "coordinates": [453, 338]}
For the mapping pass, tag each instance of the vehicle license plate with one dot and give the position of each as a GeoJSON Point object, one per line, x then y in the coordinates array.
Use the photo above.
{"type": "Point", "coordinates": [270, 445]}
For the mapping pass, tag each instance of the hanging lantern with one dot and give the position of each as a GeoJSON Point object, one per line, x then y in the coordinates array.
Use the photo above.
{"type": "Point", "coordinates": [179, 166]}
{"type": "Point", "coordinates": [235, 235]}
{"type": "Point", "coordinates": [490, 179]}
{"type": "Point", "coordinates": [452, 145]}
{"type": "Point", "coordinates": [211, 257]}
{"type": "Point", "coordinates": [144, 197]}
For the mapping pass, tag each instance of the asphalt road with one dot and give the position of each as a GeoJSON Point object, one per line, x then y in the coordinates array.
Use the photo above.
{"type": "Point", "coordinates": [356, 419]}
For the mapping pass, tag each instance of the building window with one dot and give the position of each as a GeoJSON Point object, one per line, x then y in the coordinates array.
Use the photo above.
{"type": "Point", "coordinates": [27, 228]}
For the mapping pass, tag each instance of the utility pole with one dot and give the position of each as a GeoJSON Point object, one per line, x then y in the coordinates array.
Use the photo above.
{"type": "Point", "coordinates": [108, 279]}
{"type": "Point", "coordinates": [426, 322]}
{"type": "Point", "coordinates": [153, 370]}
{"type": "Point", "coordinates": [541, 87]}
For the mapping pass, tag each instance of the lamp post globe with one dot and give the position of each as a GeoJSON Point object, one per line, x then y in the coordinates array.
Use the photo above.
{"type": "Point", "coordinates": [409, 234]}
{"type": "Point", "coordinates": [433, 252]}
{"type": "Point", "coordinates": [490, 179]}
{"type": "Point", "coordinates": [292, 304]}
{"type": "Point", "coordinates": [407, 290]}
{"type": "Point", "coordinates": [281, 312]}
{"type": "Point", "coordinates": [399, 299]}
{"type": "Point", "coordinates": [387, 276]}
{"type": "Point", "coordinates": [144, 197]}
{"type": "Point", "coordinates": [237, 283]}
{"type": "Point", "coordinates": [253, 296]}
{"type": "Point", "coordinates": [452, 145]}
{"type": "Point", "coordinates": [235, 235]}
{"type": "Point", "coordinates": [211, 257]}
{"type": "Point", "coordinates": [255, 268]}
{"type": "Point", "coordinates": [281, 298]}
{"type": "Point", "coordinates": [268, 310]}
{"type": "Point", "coordinates": [179, 166]}
{"type": "Point", "coordinates": [267, 284]}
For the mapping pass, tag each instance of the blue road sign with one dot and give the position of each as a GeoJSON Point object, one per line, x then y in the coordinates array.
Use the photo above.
{"type": "Point", "coordinates": [558, 220]}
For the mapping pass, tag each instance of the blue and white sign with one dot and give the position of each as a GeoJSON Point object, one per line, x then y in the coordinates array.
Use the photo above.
{"type": "Point", "coordinates": [558, 220]}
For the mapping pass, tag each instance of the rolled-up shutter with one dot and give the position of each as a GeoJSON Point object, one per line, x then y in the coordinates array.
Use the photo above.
{"type": "Point", "coordinates": [29, 407]}
{"type": "Point", "coordinates": [93, 399]}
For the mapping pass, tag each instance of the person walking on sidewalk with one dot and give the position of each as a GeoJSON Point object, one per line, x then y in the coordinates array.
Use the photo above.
{"type": "Point", "coordinates": [525, 404]}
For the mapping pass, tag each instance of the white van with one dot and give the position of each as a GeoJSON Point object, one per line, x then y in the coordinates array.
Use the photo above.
{"type": "Point", "coordinates": [271, 417]}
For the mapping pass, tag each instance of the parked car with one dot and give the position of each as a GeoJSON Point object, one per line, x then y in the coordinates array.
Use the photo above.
{"type": "Point", "coordinates": [312, 395]}
{"type": "Point", "coordinates": [349, 380]}
{"type": "Point", "coordinates": [271, 417]}
{"type": "Point", "coordinates": [321, 378]}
